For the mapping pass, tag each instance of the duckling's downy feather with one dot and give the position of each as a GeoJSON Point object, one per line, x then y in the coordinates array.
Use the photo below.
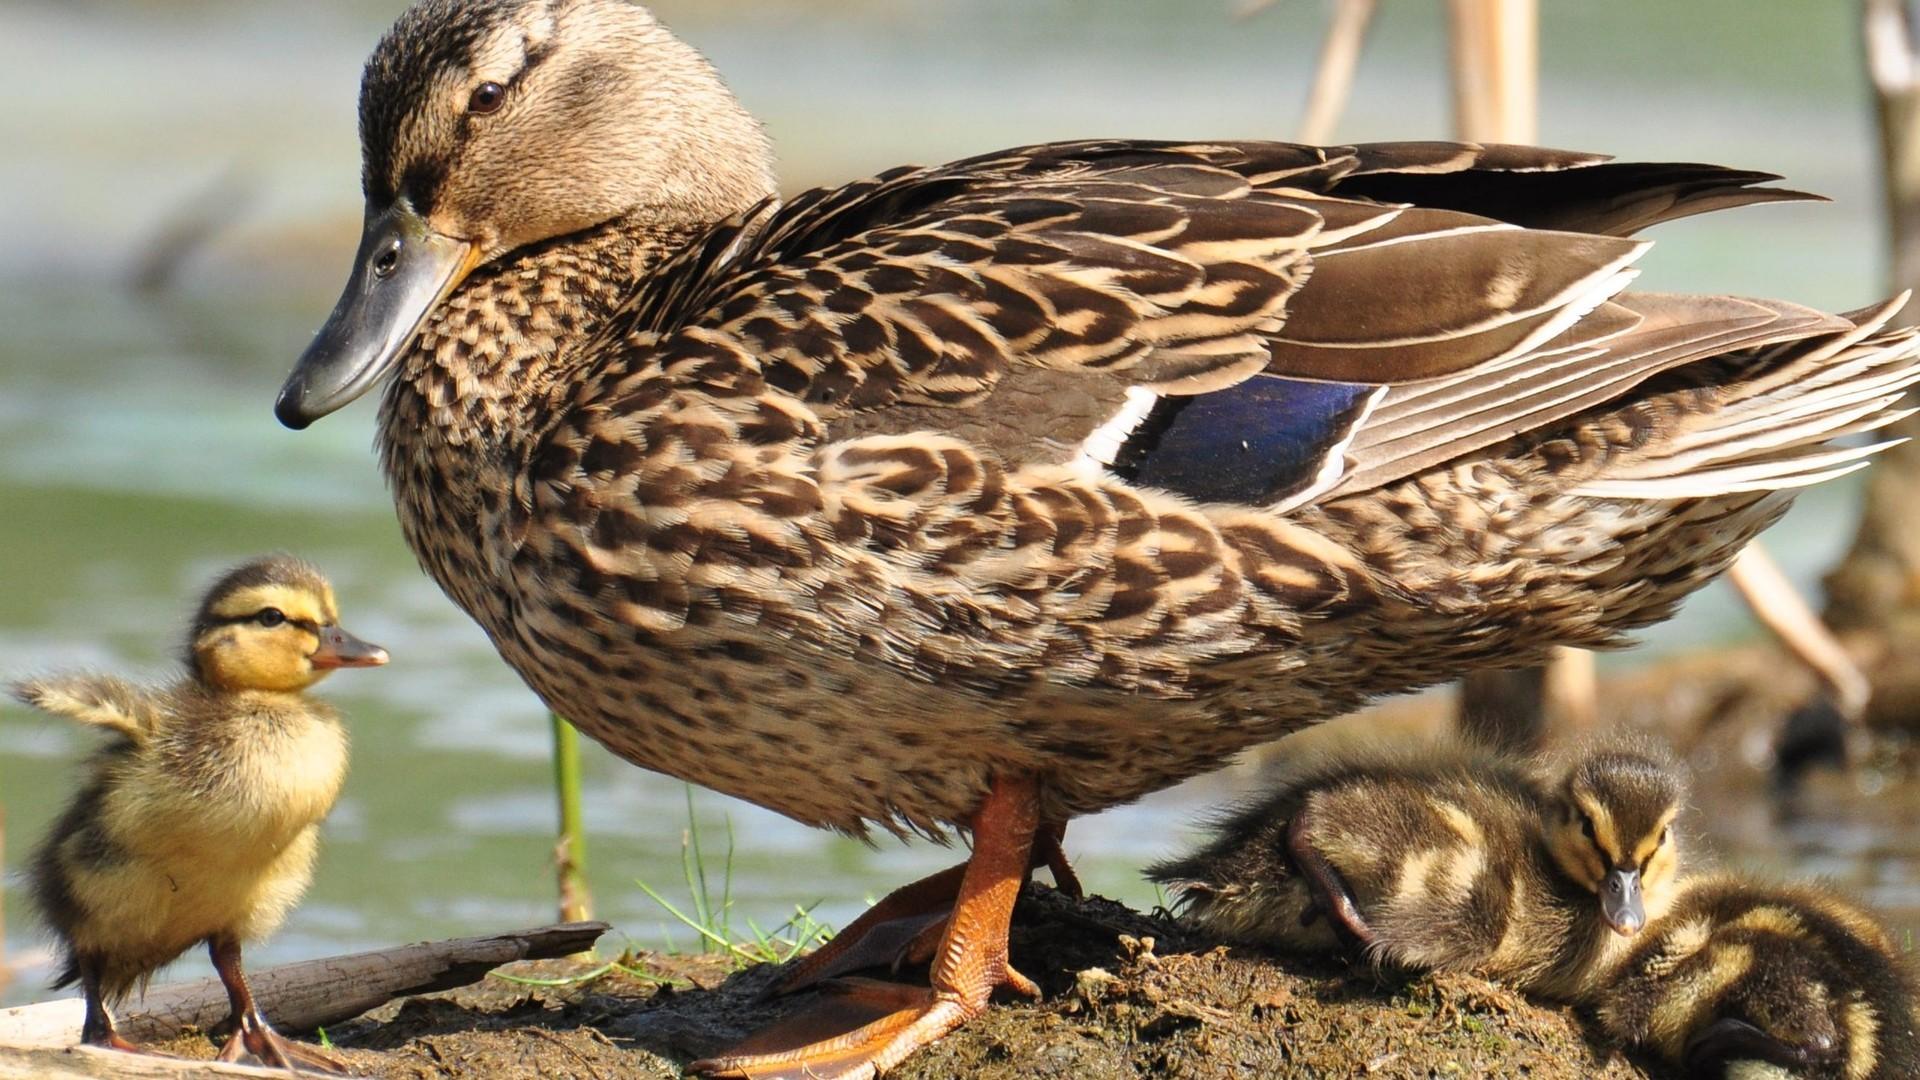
{"type": "Point", "coordinates": [100, 700]}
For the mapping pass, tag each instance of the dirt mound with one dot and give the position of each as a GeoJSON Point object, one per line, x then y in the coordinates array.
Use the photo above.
{"type": "Point", "coordinates": [1127, 995]}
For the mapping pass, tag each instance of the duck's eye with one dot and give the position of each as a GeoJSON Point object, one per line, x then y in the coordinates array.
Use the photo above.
{"type": "Point", "coordinates": [1586, 827]}
{"type": "Point", "coordinates": [1666, 834]}
{"type": "Point", "coordinates": [486, 98]}
{"type": "Point", "coordinates": [272, 616]}
{"type": "Point", "coordinates": [388, 260]}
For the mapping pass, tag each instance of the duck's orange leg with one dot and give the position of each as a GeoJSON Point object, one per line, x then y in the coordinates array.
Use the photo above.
{"type": "Point", "coordinates": [905, 926]}
{"type": "Point", "coordinates": [894, 1020]}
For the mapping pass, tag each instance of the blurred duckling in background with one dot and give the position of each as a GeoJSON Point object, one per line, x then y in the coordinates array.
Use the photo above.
{"type": "Point", "coordinates": [1750, 981]}
{"type": "Point", "coordinates": [198, 819]}
{"type": "Point", "coordinates": [1449, 858]}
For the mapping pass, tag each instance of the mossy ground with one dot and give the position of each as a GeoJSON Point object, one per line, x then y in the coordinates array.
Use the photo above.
{"type": "Point", "coordinates": [1126, 995]}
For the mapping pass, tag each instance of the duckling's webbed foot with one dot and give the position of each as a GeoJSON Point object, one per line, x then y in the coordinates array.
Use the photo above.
{"type": "Point", "coordinates": [1728, 1040]}
{"type": "Point", "coordinates": [98, 1029]}
{"type": "Point", "coordinates": [252, 1035]}
{"type": "Point", "coordinates": [1328, 890]}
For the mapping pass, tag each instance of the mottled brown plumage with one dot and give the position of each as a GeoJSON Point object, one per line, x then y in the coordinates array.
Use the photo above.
{"type": "Point", "coordinates": [1082, 465]}
{"type": "Point", "coordinates": [198, 819]}
{"type": "Point", "coordinates": [1448, 858]}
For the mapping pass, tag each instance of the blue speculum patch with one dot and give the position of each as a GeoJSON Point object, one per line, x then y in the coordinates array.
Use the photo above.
{"type": "Point", "coordinates": [1255, 442]}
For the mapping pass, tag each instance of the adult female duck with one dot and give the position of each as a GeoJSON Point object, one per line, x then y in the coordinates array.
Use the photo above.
{"type": "Point", "coordinates": [994, 493]}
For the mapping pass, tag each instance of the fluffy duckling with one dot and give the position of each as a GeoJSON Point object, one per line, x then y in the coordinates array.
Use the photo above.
{"type": "Point", "coordinates": [1749, 981]}
{"type": "Point", "coordinates": [1448, 858]}
{"type": "Point", "coordinates": [198, 819]}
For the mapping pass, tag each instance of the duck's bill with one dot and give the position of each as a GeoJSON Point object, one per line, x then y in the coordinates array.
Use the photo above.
{"type": "Point", "coordinates": [402, 270]}
{"type": "Point", "coordinates": [1620, 902]}
{"type": "Point", "coordinates": [340, 649]}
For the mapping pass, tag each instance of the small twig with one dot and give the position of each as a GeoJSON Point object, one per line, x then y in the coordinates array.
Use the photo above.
{"type": "Point", "coordinates": [1333, 74]}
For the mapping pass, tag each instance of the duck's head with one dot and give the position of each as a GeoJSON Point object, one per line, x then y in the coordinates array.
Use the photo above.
{"type": "Point", "coordinates": [1613, 831]}
{"type": "Point", "coordinates": [489, 125]}
{"type": "Point", "coordinates": [271, 625]}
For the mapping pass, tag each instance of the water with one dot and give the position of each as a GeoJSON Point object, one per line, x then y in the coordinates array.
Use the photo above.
{"type": "Point", "coordinates": [138, 456]}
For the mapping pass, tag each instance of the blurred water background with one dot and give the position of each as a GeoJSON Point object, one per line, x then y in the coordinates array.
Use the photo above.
{"type": "Point", "coordinates": [138, 453]}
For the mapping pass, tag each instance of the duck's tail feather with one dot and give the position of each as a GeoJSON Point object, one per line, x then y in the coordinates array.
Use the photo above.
{"type": "Point", "coordinates": [1774, 416]}
{"type": "Point", "coordinates": [1625, 342]}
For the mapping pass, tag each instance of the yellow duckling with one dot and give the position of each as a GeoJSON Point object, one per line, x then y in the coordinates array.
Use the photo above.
{"type": "Point", "coordinates": [1448, 858]}
{"type": "Point", "coordinates": [1750, 981]}
{"type": "Point", "coordinates": [197, 821]}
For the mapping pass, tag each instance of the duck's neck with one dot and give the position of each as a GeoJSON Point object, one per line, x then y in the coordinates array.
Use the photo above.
{"type": "Point", "coordinates": [494, 349]}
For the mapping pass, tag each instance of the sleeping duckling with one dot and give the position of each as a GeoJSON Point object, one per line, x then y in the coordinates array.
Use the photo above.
{"type": "Point", "coordinates": [198, 819]}
{"type": "Point", "coordinates": [1749, 981]}
{"type": "Point", "coordinates": [1448, 858]}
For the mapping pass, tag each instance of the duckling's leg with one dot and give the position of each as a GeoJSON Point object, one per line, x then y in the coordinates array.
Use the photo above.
{"type": "Point", "coordinates": [251, 1032]}
{"type": "Point", "coordinates": [1331, 896]}
{"type": "Point", "coordinates": [98, 1029]}
{"type": "Point", "coordinates": [889, 1021]}
{"type": "Point", "coordinates": [906, 924]}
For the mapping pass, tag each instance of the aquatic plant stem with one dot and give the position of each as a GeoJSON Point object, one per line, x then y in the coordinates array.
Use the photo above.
{"type": "Point", "coordinates": [570, 852]}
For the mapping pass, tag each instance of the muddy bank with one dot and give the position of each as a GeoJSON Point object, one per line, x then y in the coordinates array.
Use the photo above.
{"type": "Point", "coordinates": [1127, 995]}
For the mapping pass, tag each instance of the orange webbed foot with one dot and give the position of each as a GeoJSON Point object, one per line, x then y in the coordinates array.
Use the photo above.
{"type": "Point", "coordinates": [863, 1027]}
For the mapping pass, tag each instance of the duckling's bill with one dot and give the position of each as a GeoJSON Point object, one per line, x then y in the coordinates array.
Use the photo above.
{"type": "Point", "coordinates": [1620, 902]}
{"type": "Point", "coordinates": [402, 270]}
{"type": "Point", "coordinates": [339, 649]}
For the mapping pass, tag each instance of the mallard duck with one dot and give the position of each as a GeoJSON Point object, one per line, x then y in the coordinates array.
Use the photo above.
{"type": "Point", "coordinates": [1448, 858]}
{"type": "Point", "coordinates": [1754, 981]}
{"type": "Point", "coordinates": [993, 493]}
{"type": "Point", "coordinates": [198, 818]}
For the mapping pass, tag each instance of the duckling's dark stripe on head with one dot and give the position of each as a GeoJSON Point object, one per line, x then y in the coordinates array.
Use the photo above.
{"type": "Point", "coordinates": [1258, 442]}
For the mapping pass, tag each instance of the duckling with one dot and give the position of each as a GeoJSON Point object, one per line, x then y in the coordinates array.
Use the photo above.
{"type": "Point", "coordinates": [1448, 858]}
{"type": "Point", "coordinates": [1753, 981]}
{"type": "Point", "coordinates": [198, 818]}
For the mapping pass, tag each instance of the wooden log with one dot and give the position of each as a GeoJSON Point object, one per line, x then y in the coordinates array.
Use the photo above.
{"type": "Point", "coordinates": [313, 993]}
{"type": "Point", "coordinates": [93, 1063]}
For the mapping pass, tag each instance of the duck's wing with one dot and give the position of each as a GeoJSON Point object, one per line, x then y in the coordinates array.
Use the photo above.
{"type": "Point", "coordinates": [100, 700]}
{"type": "Point", "coordinates": [1225, 321]}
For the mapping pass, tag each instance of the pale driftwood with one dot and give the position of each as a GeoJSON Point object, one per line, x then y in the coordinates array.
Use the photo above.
{"type": "Point", "coordinates": [90, 1063]}
{"type": "Point", "coordinates": [310, 994]}
{"type": "Point", "coordinates": [1779, 605]}
{"type": "Point", "coordinates": [1496, 66]}
{"type": "Point", "coordinates": [1877, 583]}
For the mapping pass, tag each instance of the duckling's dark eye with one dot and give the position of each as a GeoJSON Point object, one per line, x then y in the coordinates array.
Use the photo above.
{"type": "Point", "coordinates": [272, 616]}
{"type": "Point", "coordinates": [486, 98]}
{"type": "Point", "coordinates": [1666, 834]}
{"type": "Point", "coordinates": [1586, 827]}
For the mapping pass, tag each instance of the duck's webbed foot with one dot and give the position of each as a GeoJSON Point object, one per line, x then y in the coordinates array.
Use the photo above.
{"type": "Point", "coordinates": [904, 928]}
{"type": "Point", "coordinates": [863, 1028]}
{"type": "Point", "coordinates": [1327, 889]}
{"type": "Point", "coordinates": [252, 1036]}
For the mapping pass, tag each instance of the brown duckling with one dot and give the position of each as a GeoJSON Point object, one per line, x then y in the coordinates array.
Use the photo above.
{"type": "Point", "coordinates": [198, 819]}
{"type": "Point", "coordinates": [1448, 858]}
{"type": "Point", "coordinates": [1749, 981]}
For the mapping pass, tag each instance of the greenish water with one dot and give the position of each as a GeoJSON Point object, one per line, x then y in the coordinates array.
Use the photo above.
{"type": "Point", "coordinates": [138, 453]}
